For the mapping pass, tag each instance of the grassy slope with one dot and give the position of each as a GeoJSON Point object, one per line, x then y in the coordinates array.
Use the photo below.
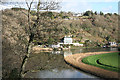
{"type": "Point", "coordinates": [107, 59]}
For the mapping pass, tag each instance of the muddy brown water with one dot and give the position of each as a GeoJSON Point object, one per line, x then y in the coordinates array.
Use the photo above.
{"type": "Point", "coordinates": [52, 64]}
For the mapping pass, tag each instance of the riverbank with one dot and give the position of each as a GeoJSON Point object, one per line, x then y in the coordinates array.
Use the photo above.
{"type": "Point", "coordinates": [76, 60]}
{"type": "Point", "coordinates": [37, 49]}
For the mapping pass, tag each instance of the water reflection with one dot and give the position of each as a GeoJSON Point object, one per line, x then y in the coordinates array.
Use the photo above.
{"type": "Point", "coordinates": [54, 65]}
{"type": "Point", "coordinates": [65, 73]}
{"type": "Point", "coordinates": [66, 53]}
{"type": "Point", "coordinates": [113, 49]}
{"type": "Point", "coordinates": [84, 50]}
{"type": "Point", "coordinates": [57, 52]}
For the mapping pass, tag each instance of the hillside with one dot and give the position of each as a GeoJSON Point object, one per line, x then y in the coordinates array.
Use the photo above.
{"type": "Point", "coordinates": [96, 29]}
{"type": "Point", "coordinates": [14, 41]}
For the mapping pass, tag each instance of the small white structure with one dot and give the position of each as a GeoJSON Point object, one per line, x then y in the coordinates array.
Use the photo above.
{"type": "Point", "coordinates": [78, 14]}
{"type": "Point", "coordinates": [56, 52]}
{"type": "Point", "coordinates": [66, 19]}
{"type": "Point", "coordinates": [55, 46]}
{"type": "Point", "coordinates": [67, 40]}
{"type": "Point", "coordinates": [71, 18]}
{"type": "Point", "coordinates": [77, 44]}
{"type": "Point", "coordinates": [113, 43]}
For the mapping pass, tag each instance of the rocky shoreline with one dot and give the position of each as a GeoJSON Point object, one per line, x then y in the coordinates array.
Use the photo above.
{"type": "Point", "coordinates": [76, 60]}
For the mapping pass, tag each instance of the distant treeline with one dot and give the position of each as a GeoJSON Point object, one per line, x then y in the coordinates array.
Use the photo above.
{"type": "Point", "coordinates": [17, 9]}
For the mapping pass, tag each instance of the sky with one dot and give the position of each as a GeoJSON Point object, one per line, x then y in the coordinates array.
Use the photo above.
{"type": "Point", "coordinates": [111, 7]}
{"type": "Point", "coordinates": [79, 6]}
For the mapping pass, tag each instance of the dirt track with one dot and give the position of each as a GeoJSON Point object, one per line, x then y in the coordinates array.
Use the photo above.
{"type": "Point", "coordinates": [75, 60]}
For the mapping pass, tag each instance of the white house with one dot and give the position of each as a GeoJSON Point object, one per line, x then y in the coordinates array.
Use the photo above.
{"type": "Point", "coordinates": [113, 43]}
{"type": "Point", "coordinates": [67, 40]}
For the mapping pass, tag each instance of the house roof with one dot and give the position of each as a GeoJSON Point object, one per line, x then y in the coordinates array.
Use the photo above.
{"type": "Point", "coordinates": [67, 37]}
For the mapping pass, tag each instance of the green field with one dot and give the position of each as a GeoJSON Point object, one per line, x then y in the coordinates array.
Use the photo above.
{"type": "Point", "coordinates": [107, 61]}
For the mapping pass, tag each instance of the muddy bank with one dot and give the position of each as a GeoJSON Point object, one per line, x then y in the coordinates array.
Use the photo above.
{"type": "Point", "coordinates": [75, 60]}
{"type": "Point", "coordinates": [37, 49]}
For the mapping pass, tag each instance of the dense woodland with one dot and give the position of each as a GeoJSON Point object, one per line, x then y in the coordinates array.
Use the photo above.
{"type": "Point", "coordinates": [92, 29]}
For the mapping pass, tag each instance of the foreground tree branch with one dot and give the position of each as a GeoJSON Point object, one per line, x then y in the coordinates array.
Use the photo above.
{"type": "Point", "coordinates": [33, 29]}
{"type": "Point", "coordinates": [30, 44]}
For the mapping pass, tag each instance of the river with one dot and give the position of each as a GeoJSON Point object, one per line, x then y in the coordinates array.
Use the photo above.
{"type": "Point", "coordinates": [52, 64]}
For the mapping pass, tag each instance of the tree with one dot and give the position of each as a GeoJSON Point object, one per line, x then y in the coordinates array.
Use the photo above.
{"type": "Point", "coordinates": [88, 13]}
{"type": "Point", "coordinates": [52, 5]}
{"type": "Point", "coordinates": [50, 41]}
{"type": "Point", "coordinates": [95, 13]}
{"type": "Point", "coordinates": [30, 42]}
{"type": "Point", "coordinates": [107, 38]}
{"type": "Point", "coordinates": [101, 13]}
{"type": "Point", "coordinates": [115, 14]}
{"type": "Point", "coordinates": [49, 5]}
{"type": "Point", "coordinates": [109, 14]}
{"type": "Point", "coordinates": [86, 43]}
{"type": "Point", "coordinates": [31, 30]}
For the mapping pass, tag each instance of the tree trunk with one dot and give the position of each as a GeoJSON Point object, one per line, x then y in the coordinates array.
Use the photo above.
{"type": "Point", "coordinates": [24, 62]}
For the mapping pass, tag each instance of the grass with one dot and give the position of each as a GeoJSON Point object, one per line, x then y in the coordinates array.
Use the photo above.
{"type": "Point", "coordinates": [110, 60]}
{"type": "Point", "coordinates": [107, 61]}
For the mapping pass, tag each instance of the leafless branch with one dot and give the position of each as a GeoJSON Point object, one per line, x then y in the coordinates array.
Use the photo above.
{"type": "Point", "coordinates": [49, 5]}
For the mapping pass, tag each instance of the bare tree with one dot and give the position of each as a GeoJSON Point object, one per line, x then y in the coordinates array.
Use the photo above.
{"type": "Point", "coordinates": [33, 29]}
{"type": "Point", "coordinates": [51, 5]}
{"type": "Point", "coordinates": [30, 44]}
